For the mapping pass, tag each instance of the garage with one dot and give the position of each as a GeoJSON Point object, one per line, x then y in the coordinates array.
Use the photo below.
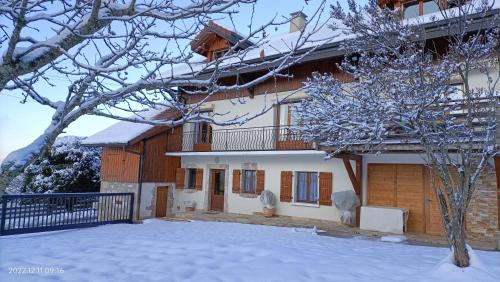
{"type": "Point", "coordinates": [406, 186]}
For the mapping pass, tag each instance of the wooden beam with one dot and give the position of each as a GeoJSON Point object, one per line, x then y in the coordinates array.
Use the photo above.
{"type": "Point", "coordinates": [352, 176]}
{"type": "Point", "coordinates": [348, 156]}
{"type": "Point", "coordinates": [356, 179]}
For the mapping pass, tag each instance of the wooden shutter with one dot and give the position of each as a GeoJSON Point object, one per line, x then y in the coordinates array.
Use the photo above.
{"type": "Point", "coordinates": [325, 188]}
{"type": "Point", "coordinates": [236, 180]}
{"type": "Point", "coordinates": [199, 179]}
{"type": "Point", "coordinates": [286, 186]}
{"type": "Point", "coordinates": [261, 176]}
{"type": "Point", "coordinates": [180, 174]}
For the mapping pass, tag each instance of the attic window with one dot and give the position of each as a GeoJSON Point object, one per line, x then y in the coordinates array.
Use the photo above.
{"type": "Point", "coordinates": [219, 54]}
{"type": "Point", "coordinates": [414, 9]}
{"type": "Point", "coordinates": [411, 10]}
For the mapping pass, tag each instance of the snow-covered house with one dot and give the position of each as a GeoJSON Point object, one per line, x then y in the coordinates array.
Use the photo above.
{"type": "Point", "coordinates": [225, 168]}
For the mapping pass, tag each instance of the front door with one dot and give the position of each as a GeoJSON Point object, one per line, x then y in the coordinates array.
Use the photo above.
{"type": "Point", "coordinates": [161, 201]}
{"type": "Point", "coordinates": [217, 179]}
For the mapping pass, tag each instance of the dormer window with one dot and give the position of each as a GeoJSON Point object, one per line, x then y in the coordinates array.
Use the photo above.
{"type": "Point", "coordinates": [412, 9]}
{"type": "Point", "coordinates": [219, 54]}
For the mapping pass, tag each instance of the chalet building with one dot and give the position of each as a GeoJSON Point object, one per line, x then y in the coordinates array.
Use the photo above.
{"type": "Point", "coordinates": [214, 168]}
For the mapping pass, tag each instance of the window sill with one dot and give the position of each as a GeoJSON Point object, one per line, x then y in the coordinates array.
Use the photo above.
{"type": "Point", "coordinates": [305, 205]}
{"type": "Point", "coordinates": [190, 191]}
{"type": "Point", "coordinates": [246, 195]}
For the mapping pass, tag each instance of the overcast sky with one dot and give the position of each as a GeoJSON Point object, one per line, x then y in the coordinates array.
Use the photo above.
{"type": "Point", "coordinates": [22, 123]}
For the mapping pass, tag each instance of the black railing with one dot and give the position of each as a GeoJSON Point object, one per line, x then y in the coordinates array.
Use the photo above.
{"type": "Point", "coordinates": [27, 213]}
{"type": "Point", "coordinates": [240, 139]}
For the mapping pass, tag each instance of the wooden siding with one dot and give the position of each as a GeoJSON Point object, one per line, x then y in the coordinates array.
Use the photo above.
{"type": "Point", "coordinates": [157, 166]}
{"type": "Point", "coordinates": [120, 165]}
{"type": "Point", "coordinates": [123, 164]}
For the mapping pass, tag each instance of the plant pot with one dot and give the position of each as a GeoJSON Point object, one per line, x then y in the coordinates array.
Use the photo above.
{"type": "Point", "coordinates": [268, 212]}
{"type": "Point", "coordinates": [190, 209]}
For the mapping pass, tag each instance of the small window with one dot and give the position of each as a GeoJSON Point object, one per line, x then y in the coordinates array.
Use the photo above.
{"type": "Point", "coordinates": [306, 187]}
{"type": "Point", "coordinates": [191, 183]}
{"type": "Point", "coordinates": [289, 115]}
{"type": "Point", "coordinates": [430, 7]}
{"type": "Point", "coordinates": [219, 54]}
{"type": "Point", "coordinates": [249, 181]}
{"type": "Point", "coordinates": [411, 10]}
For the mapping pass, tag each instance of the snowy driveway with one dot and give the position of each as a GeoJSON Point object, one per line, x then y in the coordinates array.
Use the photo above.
{"type": "Point", "coordinates": [211, 251]}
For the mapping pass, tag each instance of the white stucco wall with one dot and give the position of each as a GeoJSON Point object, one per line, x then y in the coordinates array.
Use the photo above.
{"type": "Point", "coordinates": [273, 165]}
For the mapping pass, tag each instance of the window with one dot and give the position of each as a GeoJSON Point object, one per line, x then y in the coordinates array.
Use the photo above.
{"type": "Point", "coordinates": [411, 10]}
{"type": "Point", "coordinates": [203, 133]}
{"type": "Point", "coordinates": [219, 54]}
{"type": "Point", "coordinates": [249, 181]}
{"type": "Point", "coordinates": [430, 7]}
{"type": "Point", "coordinates": [418, 8]}
{"type": "Point", "coordinates": [306, 187]}
{"type": "Point", "coordinates": [191, 183]}
{"type": "Point", "coordinates": [289, 115]}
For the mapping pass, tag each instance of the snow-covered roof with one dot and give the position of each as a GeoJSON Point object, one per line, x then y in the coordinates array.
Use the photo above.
{"type": "Point", "coordinates": [283, 43]}
{"type": "Point", "coordinates": [122, 132]}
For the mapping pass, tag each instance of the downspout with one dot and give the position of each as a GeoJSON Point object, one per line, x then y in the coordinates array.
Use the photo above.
{"type": "Point", "coordinates": [141, 179]}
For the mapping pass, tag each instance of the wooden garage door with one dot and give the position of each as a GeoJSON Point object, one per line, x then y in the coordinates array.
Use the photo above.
{"type": "Point", "coordinates": [403, 186]}
{"type": "Point", "coordinates": [410, 189]}
{"type": "Point", "coordinates": [381, 185]}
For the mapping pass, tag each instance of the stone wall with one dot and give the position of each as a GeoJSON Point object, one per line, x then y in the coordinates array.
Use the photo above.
{"type": "Point", "coordinates": [122, 187]}
{"type": "Point", "coordinates": [482, 216]}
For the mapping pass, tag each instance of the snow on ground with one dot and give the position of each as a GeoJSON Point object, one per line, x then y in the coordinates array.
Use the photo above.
{"type": "Point", "coordinates": [213, 251]}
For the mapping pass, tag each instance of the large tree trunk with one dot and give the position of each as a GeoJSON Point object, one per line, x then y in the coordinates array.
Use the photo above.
{"type": "Point", "coordinates": [454, 225]}
{"type": "Point", "coordinates": [460, 252]}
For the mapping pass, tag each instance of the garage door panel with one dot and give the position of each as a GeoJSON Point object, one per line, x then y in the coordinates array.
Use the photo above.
{"type": "Point", "coordinates": [381, 185]}
{"type": "Point", "coordinates": [410, 194]}
{"type": "Point", "coordinates": [403, 186]}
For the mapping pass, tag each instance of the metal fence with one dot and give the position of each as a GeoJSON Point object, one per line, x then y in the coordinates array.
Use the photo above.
{"type": "Point", "coordinates": [267, 138]}
{"type": "Point", "coordinates": [27, 213]}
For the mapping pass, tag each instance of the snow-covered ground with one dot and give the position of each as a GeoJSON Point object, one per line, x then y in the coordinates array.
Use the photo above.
{"type": "Point", "coordinates": [211, 251]}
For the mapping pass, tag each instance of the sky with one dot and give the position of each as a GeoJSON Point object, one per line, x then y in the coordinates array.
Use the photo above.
{"type": "Point", "coordinates": [21, 123]}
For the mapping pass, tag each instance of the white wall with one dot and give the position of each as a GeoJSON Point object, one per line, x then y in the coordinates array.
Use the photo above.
{"type": "Point", "coordinates": [273, 165]}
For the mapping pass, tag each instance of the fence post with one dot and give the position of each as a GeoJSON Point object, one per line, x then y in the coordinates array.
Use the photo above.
{"type": "Point", "coordinates": [4, 215]}
{"type": "Point", "coordinates": [131, 211]}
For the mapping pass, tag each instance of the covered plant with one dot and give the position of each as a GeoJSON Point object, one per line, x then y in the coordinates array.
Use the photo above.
{"type": "Point", "coordinates": [268, 199]}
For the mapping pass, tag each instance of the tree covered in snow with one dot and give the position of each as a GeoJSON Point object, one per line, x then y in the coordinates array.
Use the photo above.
{"type": "Point", "coordinates": [120, 58]}
{"type": "Point", "coordinates": [407, 88]}
{"type": "Point", "coordinates": [69, 167]}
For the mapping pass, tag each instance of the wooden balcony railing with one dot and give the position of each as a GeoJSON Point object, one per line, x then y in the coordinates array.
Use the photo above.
{"type": "Point", "coordinates": [242, 139]}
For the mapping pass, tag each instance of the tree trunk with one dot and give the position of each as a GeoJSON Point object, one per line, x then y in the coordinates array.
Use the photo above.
{"type": "Point", "coordinates": [454, 226]}
{"type": "Point", "coordinates": [460, 252]}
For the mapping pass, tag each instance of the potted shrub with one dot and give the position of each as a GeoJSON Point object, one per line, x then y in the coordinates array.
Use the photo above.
{"type": "Point", "coordinates": [268, 201]}
{"type": "Point", "coordinates": [190, 206]}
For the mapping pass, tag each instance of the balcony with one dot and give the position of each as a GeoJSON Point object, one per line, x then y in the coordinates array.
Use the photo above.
{"type": "Point", "coordinates": [241, 139]}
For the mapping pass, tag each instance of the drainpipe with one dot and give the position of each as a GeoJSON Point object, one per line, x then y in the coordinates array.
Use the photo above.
{"type": "Point", "coordinates": [141, 178]}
